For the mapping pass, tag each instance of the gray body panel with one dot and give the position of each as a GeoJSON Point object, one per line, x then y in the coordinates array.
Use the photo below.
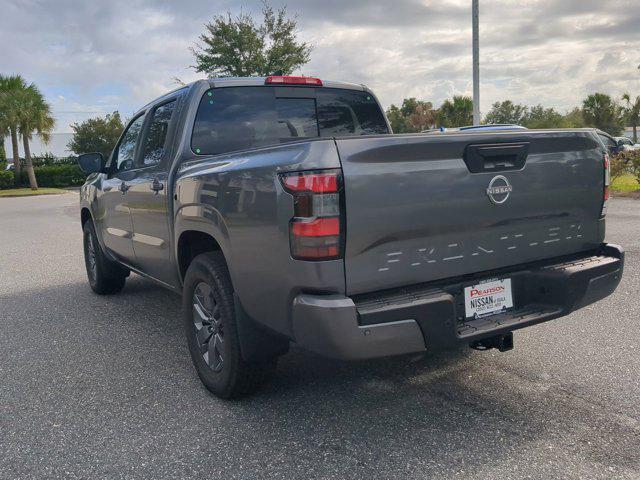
{"type": "Point", "coordinates": [402, 193]}
{"type": "Point", "coordinates": [113, 217]}
{"type": "Point", "coordinates": [415, 213]}
{"type": "Point", "coordinates": [150, 218]}
{"type": "Point", "coordinates": [238, 200]}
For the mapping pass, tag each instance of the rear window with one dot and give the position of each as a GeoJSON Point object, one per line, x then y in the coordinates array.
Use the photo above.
{"type": "Point", "coordinates": [237, 118]}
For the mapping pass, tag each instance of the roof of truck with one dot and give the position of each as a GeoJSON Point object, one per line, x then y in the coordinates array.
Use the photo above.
{"type": "Point", "coordinates": [248, 82]}
{"type": "Point", "coordinates": [259, 81]}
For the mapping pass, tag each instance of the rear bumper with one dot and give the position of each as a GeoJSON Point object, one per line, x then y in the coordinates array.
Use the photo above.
{"type": "Point", "coordinates": [421, 317]}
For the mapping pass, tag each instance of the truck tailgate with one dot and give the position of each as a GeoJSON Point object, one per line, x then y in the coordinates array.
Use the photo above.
{"type": "Point", "coordinates": [418, 207]}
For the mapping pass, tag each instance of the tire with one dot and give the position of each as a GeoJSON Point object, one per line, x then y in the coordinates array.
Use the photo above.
{"type": "Point", "coordinates": [105, 276]}
{"type": "Point", "coordinates": [212, 333]}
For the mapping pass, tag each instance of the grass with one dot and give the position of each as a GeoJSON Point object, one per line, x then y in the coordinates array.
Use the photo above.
{"type": "Point", "coordinates": [625, 183]}
{"type": "Point", "coordinates": [27, 192]}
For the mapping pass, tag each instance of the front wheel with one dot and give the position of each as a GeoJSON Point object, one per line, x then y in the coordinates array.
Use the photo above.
{"type": "Point", "coordinates": [212, 333]}
{"type": "Point", "coordinates": [105, 276]}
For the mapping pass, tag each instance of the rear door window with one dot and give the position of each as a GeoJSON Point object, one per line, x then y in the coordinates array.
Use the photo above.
{"type": "Point", "coordinates": [156, 139]}
{"type": "Point", "coordinates": [238, 118]}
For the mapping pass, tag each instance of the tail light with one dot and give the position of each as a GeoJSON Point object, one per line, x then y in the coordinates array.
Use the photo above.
{"type": "Point", "coordinates": [607, 184]}
{"type": "Point", "coordinates": [316, 232]}
{"type": "Point", "coordinates": [286, 80]}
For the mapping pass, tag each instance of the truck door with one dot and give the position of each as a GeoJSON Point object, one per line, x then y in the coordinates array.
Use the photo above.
{"type": "Point", "coordinates": [147, 197]}
{"type": "Point", "coordinates": [116, 225]}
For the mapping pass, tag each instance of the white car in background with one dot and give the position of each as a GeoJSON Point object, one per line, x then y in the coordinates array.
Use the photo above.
{"type": "Point", "coordinates": [625, 143]}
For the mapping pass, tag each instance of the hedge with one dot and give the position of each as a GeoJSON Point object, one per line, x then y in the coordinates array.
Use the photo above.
{"type": "Point", "coordinates": [55, 176]}
{"type": "Point", "coordinates": [50, 160]}
{"type": "Point", "coordinates": [627, 161]}
{"type": "Point", "coordinates": [6, 178]}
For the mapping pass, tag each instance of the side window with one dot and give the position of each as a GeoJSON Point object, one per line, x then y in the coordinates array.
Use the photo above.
{"type": "Point", "coordinates": [607, 142]}
{"type": "Point", "coordinates": [155, 143]}
{"type": "Point", "coordinates": [127, 149]}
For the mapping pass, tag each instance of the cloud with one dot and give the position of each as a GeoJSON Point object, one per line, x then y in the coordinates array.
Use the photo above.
{"type": "Point", "coordinates": [95, 57]}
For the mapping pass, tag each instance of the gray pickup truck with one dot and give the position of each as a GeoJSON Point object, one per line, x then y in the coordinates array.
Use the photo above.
{"type": "Point", "coordinates": [284, 210]}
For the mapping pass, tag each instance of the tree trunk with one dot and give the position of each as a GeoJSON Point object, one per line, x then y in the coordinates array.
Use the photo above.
{"type": "Point", "coordinates": [16, 157]}
{"type": "Point", "coordinates": [27, 157]}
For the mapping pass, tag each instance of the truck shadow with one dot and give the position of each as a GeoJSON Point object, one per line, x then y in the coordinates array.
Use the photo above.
{"type": "Point", "coordinates": [449, 412]}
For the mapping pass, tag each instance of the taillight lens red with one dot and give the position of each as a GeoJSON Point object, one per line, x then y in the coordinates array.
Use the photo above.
{"type": "Point", "coordinates": [320, 227]}
{"type": "Point", "coordinates": [289, 80]}
{"type": "Point", "coordinates": [311, 182]}
{"type": "Point", "coordinates": [316, 230]}
{"type": "Point", "coordinates": [607, 183]}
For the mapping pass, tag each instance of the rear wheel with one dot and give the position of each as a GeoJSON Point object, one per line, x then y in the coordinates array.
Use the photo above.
{"type": "Point", "coordinates": [212, 333]}
{"type": "Point", "coordinates": [105, 276]}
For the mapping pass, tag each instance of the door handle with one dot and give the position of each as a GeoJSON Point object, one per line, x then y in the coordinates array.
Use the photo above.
{"type": "Point", "coordinates": [496, 157]}
{"type": "Point", "coordinates": [124, 187]}
{"type": "Point", "coordinates": [156, 186]}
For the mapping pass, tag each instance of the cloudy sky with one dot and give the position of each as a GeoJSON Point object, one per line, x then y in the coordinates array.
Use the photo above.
{"type": "Point", "coordinates": [93, 57]}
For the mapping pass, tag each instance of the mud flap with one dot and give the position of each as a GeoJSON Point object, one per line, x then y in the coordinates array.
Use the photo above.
{"type": "Point", "coordinates": [257, 343]}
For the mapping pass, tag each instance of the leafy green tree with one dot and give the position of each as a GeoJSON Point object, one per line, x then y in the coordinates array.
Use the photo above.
{"type": "Point", "coordinates": [413, 116]}
{"type": "Point", "coordinates": [601, 111]}
{"type": "Point", "coordinates": [574, 119]}
{"type": "Point", "coordinates": [98, 134]}
{"type": "Point", "coordinates": [3, 154]}
{"type": "Point", "coordinates": [238, 47]}
{"type": "Point", "coordinates": [10, 114]}
{"type": "Point", "coordinates": [396, 119]}
{"type": "Point", "coordinates": [540, 117]}
{"type": "Point", "coordinates": [507, 112]}
{"type": "Point", "coordinates": [423, 117]}
{"type": "Point", "coordinates": [456, 112]}
{"type": "Point", "coordinates": [632, 113]}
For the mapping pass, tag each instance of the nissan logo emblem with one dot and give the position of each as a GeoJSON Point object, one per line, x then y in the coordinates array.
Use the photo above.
{"type": "Point", "coordinates": [499, 189]}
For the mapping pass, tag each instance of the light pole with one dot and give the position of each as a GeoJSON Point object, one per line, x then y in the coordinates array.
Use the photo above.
{"type": "Point", "coordinates": [476, 62]}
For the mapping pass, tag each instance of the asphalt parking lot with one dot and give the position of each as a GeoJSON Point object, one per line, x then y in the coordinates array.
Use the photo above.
{"type": "Point", "coordinates": [103, 387]}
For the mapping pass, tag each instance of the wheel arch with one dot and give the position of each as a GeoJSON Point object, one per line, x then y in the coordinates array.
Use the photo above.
{"type": "Point", "coordinates": [192, 243]}
{"type": "Point", "coordinates": [85, 215]}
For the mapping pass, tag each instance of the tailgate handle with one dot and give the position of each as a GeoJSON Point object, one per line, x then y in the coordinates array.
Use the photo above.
{"type": "Point", "coordinates": [497, 157]}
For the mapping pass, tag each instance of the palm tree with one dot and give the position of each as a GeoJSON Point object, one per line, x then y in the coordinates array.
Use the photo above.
{"type": "Point", "coordinates": [633, 114]}
{"type": "Point", "coordinates": [601, 111]}
{"type": "Point", "coordinates": [457, 112]}
{"type": "Point", "coordinates": [10, 86]}
{"type": "Point", "coordinates": [35, 117]}
{"type": "Point", "coordinates": [23, 111]}
{"type": "Point", "coordinates": [4, 132]}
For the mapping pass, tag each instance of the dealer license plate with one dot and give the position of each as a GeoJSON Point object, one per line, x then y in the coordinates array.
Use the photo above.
{"type": "Point", "coordinates": [488, 298]}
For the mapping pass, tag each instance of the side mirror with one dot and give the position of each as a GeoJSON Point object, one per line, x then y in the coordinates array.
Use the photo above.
{"type": "Point", "coordinates": [91, 162]}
